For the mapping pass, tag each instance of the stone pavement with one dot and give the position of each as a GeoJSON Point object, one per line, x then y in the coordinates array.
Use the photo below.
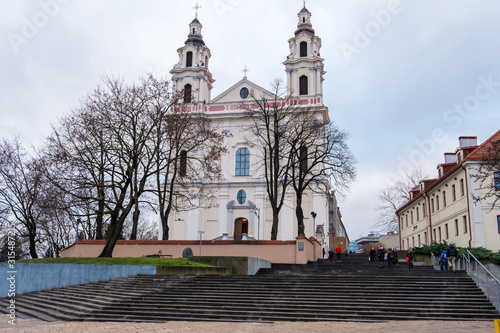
{"type": "Point", "coordinates": [34, 325]}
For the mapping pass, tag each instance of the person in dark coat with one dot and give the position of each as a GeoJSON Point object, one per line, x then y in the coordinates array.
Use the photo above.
{"type": "Point", "coordinates": [380, 255]}
{"type": "Point", "coordinates": [330, 254]}
{"type": "Point", "coordinates": [409, 256]}
{"type": "Point", "coordinates": [390, 257]}
{"type": "Point", "coordinates": [452, 254]}
{"type": "Point", "coordinates": [395, 254]}
{"type": "Point", "coordinates": [372, 254]}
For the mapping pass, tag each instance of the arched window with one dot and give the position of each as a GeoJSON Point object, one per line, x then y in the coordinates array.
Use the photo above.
{"type": "Point", "coordinates": [189, 59]}
{"type": "Point", "coordinates": [183, 164]}
{"type": "Point", "coordinates": [242, 162]}
{"type": "Point", "coordinates": [303, 49]}
{"type": "Point", "coordinates": [303, 85]}
{"type": "Point", "coordinates": [187, 93]}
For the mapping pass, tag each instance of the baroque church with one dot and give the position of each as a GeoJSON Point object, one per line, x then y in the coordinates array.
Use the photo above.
{"type": "Point", "coordinates": [238, 207]}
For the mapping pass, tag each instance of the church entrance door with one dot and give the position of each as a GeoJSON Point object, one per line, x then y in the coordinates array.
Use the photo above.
{"type": "Point", "coordinates": [240, 228]}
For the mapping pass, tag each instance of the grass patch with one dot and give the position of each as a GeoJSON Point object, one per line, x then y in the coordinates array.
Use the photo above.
{"type": "Point", "coordinates": [179, 262]}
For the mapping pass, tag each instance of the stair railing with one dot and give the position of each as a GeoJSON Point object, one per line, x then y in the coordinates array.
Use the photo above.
{"type": "Point", "coordinates": [433, 260]}
{"type": "Point", "coordinates": [476, 271]}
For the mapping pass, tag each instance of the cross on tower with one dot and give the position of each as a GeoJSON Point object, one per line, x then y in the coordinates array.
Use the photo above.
{"type": "Point", "coordinates": [245, 70]}
{"type": "Point", "coordinates": [196, 9]}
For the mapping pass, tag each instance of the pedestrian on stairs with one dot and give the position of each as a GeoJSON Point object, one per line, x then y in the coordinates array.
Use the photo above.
{"type": "Point", "coordinates": [452, 253]}
{"type": "Point", "coordinates": [443, 261]}
{"type": "Point", "coordinates": [372, 254]}
{"type": "Point", "coordinates": [409, 258]}
{"type": "Point", "coordinates": [390, 257]}
{"type": "Point", "coordinates": [330, 255]}
{"type": "Point", "coordinates": [380, 255]}
{"type": "Point", "coordinates": [323, 253]}
{"type": "Point", "coordinates": [346, 254]}
{"type": "Point", "coordinates": [338, 250]}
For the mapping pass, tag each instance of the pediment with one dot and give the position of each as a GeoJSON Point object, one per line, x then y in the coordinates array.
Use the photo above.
{"type": "Point", "coordinates": [235, 93]}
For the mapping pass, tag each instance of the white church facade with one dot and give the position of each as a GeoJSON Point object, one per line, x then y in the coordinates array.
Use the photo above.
{"type": "Point", "coordinates": [236, 207]}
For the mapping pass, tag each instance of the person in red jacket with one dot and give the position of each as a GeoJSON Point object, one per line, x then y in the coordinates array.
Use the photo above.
{"type": "Point", "coordinates": [338, 250]}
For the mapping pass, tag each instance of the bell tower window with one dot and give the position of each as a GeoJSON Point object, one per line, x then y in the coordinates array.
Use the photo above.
{"type": "Point", "coordinates": [187, 93]}
{"type": "Point", "coordinates": [189, 59]}
{"type": "Point", "coordinates": [303, 85]}
{"type": "Point", "coordinates": [303, 49]}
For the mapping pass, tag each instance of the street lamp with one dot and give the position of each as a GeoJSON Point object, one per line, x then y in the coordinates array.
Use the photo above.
{"type": "Point", "coordinates": [314, 223]}
{"type": "Point", "coordinates": [201, 236]}
{"type": "Point", "coordinates": [257, 212]}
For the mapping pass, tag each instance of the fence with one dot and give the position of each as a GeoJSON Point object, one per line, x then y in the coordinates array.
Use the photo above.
{"type": "Point", "coordinates": [483, 278]}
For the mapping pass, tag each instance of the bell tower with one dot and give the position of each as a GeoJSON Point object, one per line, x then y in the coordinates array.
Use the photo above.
{"type": "Point", "coordinates": [191, 73]}
{"type": "Point", "coordinates": [304, 66]}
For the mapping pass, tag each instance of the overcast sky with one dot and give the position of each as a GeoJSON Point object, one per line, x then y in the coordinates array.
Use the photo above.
{"type": "Point", "coordinates": [405, 78]}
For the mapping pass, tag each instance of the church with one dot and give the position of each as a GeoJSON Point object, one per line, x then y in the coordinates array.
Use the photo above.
{"type": "Point", "coordinates": [237, 207]}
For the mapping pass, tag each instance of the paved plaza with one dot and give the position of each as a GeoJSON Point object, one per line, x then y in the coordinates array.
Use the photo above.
{"type": "Point", "coordinates": [34, 325]}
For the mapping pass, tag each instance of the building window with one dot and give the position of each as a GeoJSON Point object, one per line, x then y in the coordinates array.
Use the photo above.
{"type": "Point", "coordinates": [187, 93]}
{"type": "Point", "coordinates": [498, 223]}
{"type": "Point", "coordinates": [413, 241]}
{"type": "Point", "coordinates": [437, 202]}
{"type": "Point", "coordinates": [464, 218]}
{"type": "Point", "coordinates": [446, 234]}
{"type": "Point", "coordinates": [425, 237]}
{"type": "Point", "coordinates": [242, 162]}
{"type": "Point", "coordinates": [406, 217]}
{"type": "Point", "coordinates": [303, 85]}
{"type": "Point", "coordinates": [496, 178]}
{"type": "Point", "coordinates": [444, 199]}
{"type": "Point", "coordinates": [189, 59]}
{"type": "Point", "coordinates": [244, 93]}
{"type": "Point", "coordinates": [424, 210]}
{"type": "Point", "coordinates": [432, 205]}
{"type": "Point", "coordinates": [411, 217]}
{"type": "Point", "coordinates": [434, 234]}
{"type": "Point", "coordinates": [462, 189]}
{"type": "Point", "coordinates": [453, 193]}
{"type": "Point", "coordinates": [303, 49]}
{"type": "Point", "coordinates": [241, 197]}
{"type": "Point", "coordinates": [183, 164]}
{"type": "Point", "coordinates": [439, 232]}
{"type": "Point", "coordinates": [418, 215]}
{"type": "Point", "coordinates": [456, 227]}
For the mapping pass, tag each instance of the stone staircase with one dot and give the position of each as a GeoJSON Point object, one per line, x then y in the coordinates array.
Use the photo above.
{"type": "Point", "coordinates": [352, 290]}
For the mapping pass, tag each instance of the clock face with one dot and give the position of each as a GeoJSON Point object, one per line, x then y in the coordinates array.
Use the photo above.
{"type": "Point", "coordinates": [244, 92]}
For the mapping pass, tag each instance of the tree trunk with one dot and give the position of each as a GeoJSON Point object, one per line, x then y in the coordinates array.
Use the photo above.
{"type": "Point", "coordinates": [164, 223]}
{"type": "Point", "coordinates": [274, 230]}
{"type": "Point", "coordinates": [299, 213]}
{"type": "Point", "coordinates": [100, 213]}
{"type": "Point", "coordinates": [114, 230]}
{"type": "Point", "coordinates": [32, 246]}
{"type": "Point", "coordinates": [135, 222]}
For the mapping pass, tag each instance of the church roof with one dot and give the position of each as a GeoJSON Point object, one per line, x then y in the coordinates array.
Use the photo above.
{"type": "Point", "coordinates": [254, 89]}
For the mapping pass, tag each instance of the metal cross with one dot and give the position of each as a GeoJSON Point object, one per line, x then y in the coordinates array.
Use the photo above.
{"type": "Point", "coordinates": [245, 70]}
{"type": "Point", "coordinates": [196, 9]}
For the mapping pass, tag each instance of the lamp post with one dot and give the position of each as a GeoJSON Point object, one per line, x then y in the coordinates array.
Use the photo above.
{"type": "Point", "coordinates": [257, 212]}
{"type": "Point", "coordinates": [201, 236]}
{"type": "Point", "coordinates": [314, 223]}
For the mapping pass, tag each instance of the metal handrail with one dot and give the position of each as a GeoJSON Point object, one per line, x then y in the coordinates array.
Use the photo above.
{"type": "Point", "coordinates": [487, 274]}
{"type": "Point", "coordinates": [433, 260]}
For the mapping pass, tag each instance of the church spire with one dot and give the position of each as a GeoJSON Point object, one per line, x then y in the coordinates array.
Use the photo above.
{"type": "Point", "coordinates": [304, 66]}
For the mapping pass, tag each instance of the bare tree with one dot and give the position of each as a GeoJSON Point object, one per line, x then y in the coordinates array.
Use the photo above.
{"type": "Point", "coordinates": [393, 196]}
{"type": "Point", "coordinates": [21, 191]}
{"type": "Point", "coordinates": [270, 123]}
{"type": "Point", "coordinates": [321, 159]}
{"type": "Point", "coordinates": [488, 174]}
{"type": "Point", "coordinates": [188, 156]}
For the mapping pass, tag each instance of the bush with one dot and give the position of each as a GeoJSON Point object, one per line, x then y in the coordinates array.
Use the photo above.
{"type": "Point", "coordinates": [495, 258]}
{"type": "Point", "coordinates": [435, 247]}
{"type": "Point", "coordinates": [479, 252]}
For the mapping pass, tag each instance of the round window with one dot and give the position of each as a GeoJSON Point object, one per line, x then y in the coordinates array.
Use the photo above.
{"type": "Point", "coordinates": [241, 197]}
{"type": "Point", "coordinates": [244, 92]}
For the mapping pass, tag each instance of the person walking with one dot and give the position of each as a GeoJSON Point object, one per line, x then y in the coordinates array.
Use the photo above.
{"type": "Point", "coordinates": [338, 250]}
{"type": "Point", "coordinates": [346, 254]}
{"type": "Point", "coordinates": [380, 255]}
{"type": "Point", "coordinates": [330, 255]}
{"type": "Point", "coordinates": [451, 253]}
{"type": "Point", "coordinates": [443, 261]}
{"type": "Point", "coordinates": [372, 254]}
{"type": "Point", "coordinates": [323, 253]}
{"type": "Point", "coordinates": [409, 257]}
{"type": "Point", "coordinates": [390, 257]}
{"type": "Point", "coordinates": [395, 254]}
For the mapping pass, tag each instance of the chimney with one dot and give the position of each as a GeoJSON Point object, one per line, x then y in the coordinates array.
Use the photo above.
{"type": "Point", "coordinates": [450, 158]}
{"type": "Point", "coordinates": [467, 141]}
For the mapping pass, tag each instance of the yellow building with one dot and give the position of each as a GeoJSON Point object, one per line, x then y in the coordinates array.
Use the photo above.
{"type": "Point", "coordinates": [447, 208]}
